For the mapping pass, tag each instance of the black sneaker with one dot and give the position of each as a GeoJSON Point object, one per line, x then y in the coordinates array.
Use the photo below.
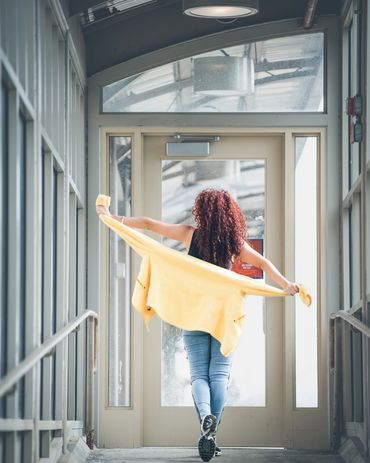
{"type": "Point", "coordinates": [206, 447]}
{"type": "Point", "coordinates": [218, 451]}
{"type": "Point", "coordinates": [208, 425]}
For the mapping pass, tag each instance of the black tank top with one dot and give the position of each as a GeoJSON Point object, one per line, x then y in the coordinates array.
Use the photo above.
{"type": "Point", "coordinates": [195, 251]}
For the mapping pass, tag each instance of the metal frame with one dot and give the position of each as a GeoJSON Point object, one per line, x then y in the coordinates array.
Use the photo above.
{"type": "Point", "coordinates": [364, 329]}
{"type": "Point", "coordinates": [293, 417]}
{"type": "Point", "coordinates": [351, 344]}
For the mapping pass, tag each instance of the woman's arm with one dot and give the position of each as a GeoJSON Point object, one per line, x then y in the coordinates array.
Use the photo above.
{"type": "Point", "coordinates": [248, 254]}
{"type": "Point", "coordinates": [177, 232]}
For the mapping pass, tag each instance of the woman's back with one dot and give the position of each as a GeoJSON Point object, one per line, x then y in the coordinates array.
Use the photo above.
{"type": "Point", "coordinates": [195, 251]}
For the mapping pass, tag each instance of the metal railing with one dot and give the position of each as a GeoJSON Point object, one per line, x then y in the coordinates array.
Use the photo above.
{"type": "Point", "coordinates": [9, 381]}
{"type": "Point", "coordinates": [336, 369]}
{"type": "Point", "coordinates": [355, 322]}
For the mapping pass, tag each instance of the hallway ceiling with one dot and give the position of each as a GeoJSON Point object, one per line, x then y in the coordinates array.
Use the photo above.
{"type": "Point", "coordinates": [114, 36]}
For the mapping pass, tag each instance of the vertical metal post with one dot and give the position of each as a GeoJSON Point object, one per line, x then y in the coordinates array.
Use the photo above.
{"type": "Point", "coordinates": [90, 371]}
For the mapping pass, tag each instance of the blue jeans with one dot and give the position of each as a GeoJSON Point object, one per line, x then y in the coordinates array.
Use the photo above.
{"type": "Point", "coordinates": [209, 371]}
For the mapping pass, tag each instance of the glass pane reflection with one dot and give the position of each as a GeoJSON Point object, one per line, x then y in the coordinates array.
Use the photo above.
{"type": "Point", "coordinates": [245, 179]}
{"type": "Point", "coordinates": [282, 74]}
{"type": "Point", "coordinates": [305, 251]}
{"type": "Point", "coordinates": [119, 335]}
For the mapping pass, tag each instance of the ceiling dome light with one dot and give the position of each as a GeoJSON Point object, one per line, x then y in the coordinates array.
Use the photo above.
{"type": "Point", "coordinates": [218, 9]}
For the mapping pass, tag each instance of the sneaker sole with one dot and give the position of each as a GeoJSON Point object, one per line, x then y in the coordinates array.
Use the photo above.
{"type": "Point", "coordinates": [206, 448]}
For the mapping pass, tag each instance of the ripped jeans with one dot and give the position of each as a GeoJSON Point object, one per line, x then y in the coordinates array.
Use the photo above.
{"type": "Point", "coordinates": [209, 371]}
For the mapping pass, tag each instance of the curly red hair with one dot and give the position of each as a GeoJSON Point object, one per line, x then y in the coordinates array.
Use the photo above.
{"type": "Point", "coordinates": [221, 226]}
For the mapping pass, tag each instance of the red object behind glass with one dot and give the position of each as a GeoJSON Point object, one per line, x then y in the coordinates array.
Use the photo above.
{"type": "Point", "coordinates": [247, 269]}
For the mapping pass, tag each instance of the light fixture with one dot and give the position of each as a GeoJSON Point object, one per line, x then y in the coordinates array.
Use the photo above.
{"type": "Point", "coordinates": [223, 75]}
{"type": "Point", "coordinates": [218, 9]}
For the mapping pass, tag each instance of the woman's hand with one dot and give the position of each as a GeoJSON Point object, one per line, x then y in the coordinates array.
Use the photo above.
{"type": "Point", "coordinates": [291, 289]}
{"type": "Point", "coordinates": [102, 210]}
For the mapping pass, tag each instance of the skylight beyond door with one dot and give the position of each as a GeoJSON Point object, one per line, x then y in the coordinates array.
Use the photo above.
{"type": "Point", "coordinates": [277, 75]}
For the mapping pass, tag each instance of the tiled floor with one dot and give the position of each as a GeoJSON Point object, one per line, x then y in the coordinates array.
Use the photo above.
{"type": "Point", "coordinates": [187, 455]}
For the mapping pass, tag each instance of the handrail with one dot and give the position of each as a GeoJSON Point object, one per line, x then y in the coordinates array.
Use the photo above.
{"type": "Point", "coordinates": [11, 379]}
{"type": "Point", "coordinates": [355, 322]}
{"type": "Point", "coordinates": [16, 374]}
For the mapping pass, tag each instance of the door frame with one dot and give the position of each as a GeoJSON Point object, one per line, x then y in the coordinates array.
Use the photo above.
{"type": "Point", "coordinates": [303, 428]}
{"type": "Point", "coordinates": [241, 425]}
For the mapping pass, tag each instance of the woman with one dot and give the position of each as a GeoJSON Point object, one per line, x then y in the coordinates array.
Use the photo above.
{"type": "Point", "coordinates": [220, 237]}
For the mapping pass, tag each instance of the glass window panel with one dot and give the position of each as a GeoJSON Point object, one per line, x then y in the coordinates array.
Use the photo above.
{"type": "Point", "coordinates": [367, 102]}
{"type": "Point", "coordinates": [350, 263]}
{"type": "Point", "coordinates": [55, 269]}
{"type": "Point", "coordinates": [43, 250]}
{"type": "Point", "coordinates": [245, 179]}
{"type": "Point", "coordinates": [77, 359]}
{"type": "Point", "coordinates": [3, 236]}
{"type": "Point", "coordinates": [356, 353]}
{"type": "Point", "coordinates": [367, 234]}
{"type": "Point", "coordinates": [119, 323]}
{"type": "Point", "coordinates": [277, 75]}
{"type": "Point", "coordinates": [72, 307]}
{"type": "Point", "coordinates": [355, 250]}
{"type": "Point", "coordinates": [354, 167]}
{"type": "Point", "coordinates": [49, 239]}
{"type": "Point", "coordinates": [55, 239]}
{"type": "Point", "coordinates": [23, 231]}
{"type": "Point", "coordinates": [353, 56]}
{"type": "Point", "coordinates": [305, 249]}
{"type": "Point", "coordinates": [43, 273]}
{"type": "Point", "coordinates": [50, 234]}
{"type": "Point", "coordinates": [23, 190]}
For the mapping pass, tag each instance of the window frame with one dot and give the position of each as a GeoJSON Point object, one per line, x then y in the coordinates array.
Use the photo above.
{"type": "Point", "coordinates": [130, 71]}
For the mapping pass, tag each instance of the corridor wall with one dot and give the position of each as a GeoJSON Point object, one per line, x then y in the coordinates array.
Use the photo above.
{"type": "Point", "coordinates": [42, 224]}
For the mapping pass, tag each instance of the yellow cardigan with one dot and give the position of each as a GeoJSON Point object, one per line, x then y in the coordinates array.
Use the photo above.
{"type": "Point", "coordinates": [188, 292]}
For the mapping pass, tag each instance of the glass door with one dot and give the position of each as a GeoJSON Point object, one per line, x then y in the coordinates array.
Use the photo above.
{"type": "Point", "coordinates": [251, 169]}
